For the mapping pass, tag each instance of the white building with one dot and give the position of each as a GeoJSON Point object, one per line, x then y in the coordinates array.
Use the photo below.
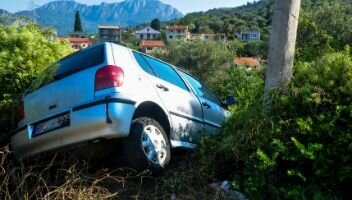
{"type": "Point", "coordinates": [148, 33]}
{"type": "Point", "coordinates": [177, 32]}
{"type": "Point", "coordinates": [247, 36]}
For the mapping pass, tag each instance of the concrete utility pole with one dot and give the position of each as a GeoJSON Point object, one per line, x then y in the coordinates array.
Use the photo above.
{"type": "Point", "coordinates": [282, 47]}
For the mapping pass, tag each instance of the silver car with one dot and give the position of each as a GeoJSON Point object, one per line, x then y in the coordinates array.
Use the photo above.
{"type": "Point", "coordinates": [111, 92]}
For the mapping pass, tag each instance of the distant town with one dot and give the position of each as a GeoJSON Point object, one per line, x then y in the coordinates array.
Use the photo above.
{"type": "Point", "coordinates": [151, 38]}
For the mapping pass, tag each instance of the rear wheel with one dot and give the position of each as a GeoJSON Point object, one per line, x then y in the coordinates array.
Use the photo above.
{"type": "Point", "coordinates": [147, 146]}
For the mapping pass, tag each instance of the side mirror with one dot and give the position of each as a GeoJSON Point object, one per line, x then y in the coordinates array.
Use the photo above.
{"type": "Point", "coordinates": [230, 100]}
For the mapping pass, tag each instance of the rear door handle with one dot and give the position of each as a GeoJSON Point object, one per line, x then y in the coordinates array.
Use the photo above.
{"type": "Point", "coordinates": [163, 87]}
{"type": "Point", "coordinates": [205, 104]}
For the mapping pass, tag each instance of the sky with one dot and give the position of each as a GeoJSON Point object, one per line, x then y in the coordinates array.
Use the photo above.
{"type": "Point", "coordinates": [185, 6]}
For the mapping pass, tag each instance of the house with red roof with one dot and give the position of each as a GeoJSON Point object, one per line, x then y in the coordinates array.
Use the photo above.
{"type": "Point", "coordinates": [247, 62]}
{"type": "Point", "coordinates": [150, 46]}
{"type": "Point", "coordinates": [77, 43]}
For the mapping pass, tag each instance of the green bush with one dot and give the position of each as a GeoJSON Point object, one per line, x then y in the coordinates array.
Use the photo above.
{"type": "Point", "coordinates": [210, 61]}
{"type": "Point", "coordinates": [303, 150]}
{"type": "Point", "coordinates": [324, 25]}
{"type": "Point", "coordinates": [24, 52]}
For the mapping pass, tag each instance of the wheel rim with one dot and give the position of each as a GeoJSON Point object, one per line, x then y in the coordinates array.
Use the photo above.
{"type": "Point", "coordinates": [154, 144]}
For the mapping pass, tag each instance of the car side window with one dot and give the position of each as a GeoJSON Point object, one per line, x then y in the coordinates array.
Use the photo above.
{"type": "Point", "coordinates": [201, 90]}
{"type": "Point", "coordinates": [144, 65]}
{"type": "Point", "coordinates": [165, 72]}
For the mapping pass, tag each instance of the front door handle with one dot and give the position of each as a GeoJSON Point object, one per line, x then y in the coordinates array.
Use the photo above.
{"type": "Point", "coordinates": [163, 87]}
{"type": "Point", "coordinates": [205, 104]}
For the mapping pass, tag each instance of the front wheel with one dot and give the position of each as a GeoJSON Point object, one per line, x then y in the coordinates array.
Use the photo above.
{"type": "Point", "coordinates": [147, 146]}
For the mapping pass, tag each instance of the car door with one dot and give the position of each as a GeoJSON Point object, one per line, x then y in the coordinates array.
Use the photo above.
{"type": "Point", "coordinates": [213, 113]}
{"type": "Point", "coordinates": [183, 106]}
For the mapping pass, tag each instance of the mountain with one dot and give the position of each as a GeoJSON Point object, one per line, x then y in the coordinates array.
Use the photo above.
{"type": "Point", "coordinates": [6, 17]}
{"type": "Point", "coordinates": [60, 14]}
{"type": "Point", "coordinates": [4, 13]}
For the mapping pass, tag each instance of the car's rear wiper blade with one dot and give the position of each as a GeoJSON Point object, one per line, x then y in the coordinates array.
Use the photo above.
{"type": "Point", "coordinates": [58, 77]}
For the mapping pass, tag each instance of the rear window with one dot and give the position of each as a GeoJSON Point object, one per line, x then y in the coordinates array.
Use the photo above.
{"type": "Point", "coordinates": [69, 65]}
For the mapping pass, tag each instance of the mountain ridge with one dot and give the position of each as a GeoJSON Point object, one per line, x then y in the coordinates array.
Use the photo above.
{"type": "Point", "coordinates": [60, 14]}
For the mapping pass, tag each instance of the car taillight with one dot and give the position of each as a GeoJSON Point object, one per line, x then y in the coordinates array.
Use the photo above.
{"type": "Point", "coordinates": [108, 77]}
{"type": "Point", "coordinates": [20, 113]}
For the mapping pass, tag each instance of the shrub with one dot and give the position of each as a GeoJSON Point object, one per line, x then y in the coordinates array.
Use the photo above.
{"type": "Point", "coordinates": [210, 61]}
{"type": "Point", "coordinates": [24, 52]}
{"type": "Point", "coordinates": [303, 149]}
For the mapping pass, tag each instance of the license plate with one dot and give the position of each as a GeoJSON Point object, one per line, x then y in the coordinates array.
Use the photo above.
{"type": "Point", "coordinates": [51, 125]}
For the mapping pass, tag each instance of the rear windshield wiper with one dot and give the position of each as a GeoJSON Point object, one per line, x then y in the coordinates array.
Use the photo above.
{"type": "Point", "coordinates": [58, 76]}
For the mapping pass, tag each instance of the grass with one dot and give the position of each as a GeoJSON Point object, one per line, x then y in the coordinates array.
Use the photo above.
{"type": "Point", "coordinates": [65, 177]}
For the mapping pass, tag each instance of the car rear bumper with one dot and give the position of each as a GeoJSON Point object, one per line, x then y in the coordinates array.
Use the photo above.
{"type": "Point", "coordinates": [103, 119]}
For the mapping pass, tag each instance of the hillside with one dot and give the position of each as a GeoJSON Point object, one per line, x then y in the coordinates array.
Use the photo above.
{"type": "Point", "coordinates": [252, 16]}
{"type": "Point", "coordinates": [60, 14]}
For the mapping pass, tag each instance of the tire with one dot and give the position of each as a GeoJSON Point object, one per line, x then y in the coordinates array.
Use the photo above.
{"type": "Point", "coordinates": [147, 146]}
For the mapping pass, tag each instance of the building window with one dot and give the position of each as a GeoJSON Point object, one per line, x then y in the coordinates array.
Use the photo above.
{"type": "Point", "coordinates": [141, 36]}
{"type": "Point", "coordinates": [170, 37]}
{"type": "Point", "coordinates": [148, 36]}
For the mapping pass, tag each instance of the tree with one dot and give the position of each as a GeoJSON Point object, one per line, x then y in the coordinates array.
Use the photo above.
{"type": "Point", "coordinates": [186, 20]}
{"type": "Point", "coordinates": [207, 60]}
{"type": "Point", "coordinates": [255, 49]}
{"type": "Point", "coordinates": [324, 28]}
{"type": "Point", "coordinates": [155, 24]}
{"type": "Point", "coordinates": [78, 24]}
{"type": "Point", "coordinates": [282, 47]}
{"type": "Point", "coordinates": [24, 52]}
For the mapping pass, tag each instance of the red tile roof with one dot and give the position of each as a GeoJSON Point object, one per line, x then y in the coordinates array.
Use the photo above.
{"type": "Point", "coordinates": [246, 61]}
{"type": "Point", "coordinates": [76, 40]}
{"type": "Point", "coordinates": [177, 27]}
{"type": "Point", "coordinates": [152, 43]}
